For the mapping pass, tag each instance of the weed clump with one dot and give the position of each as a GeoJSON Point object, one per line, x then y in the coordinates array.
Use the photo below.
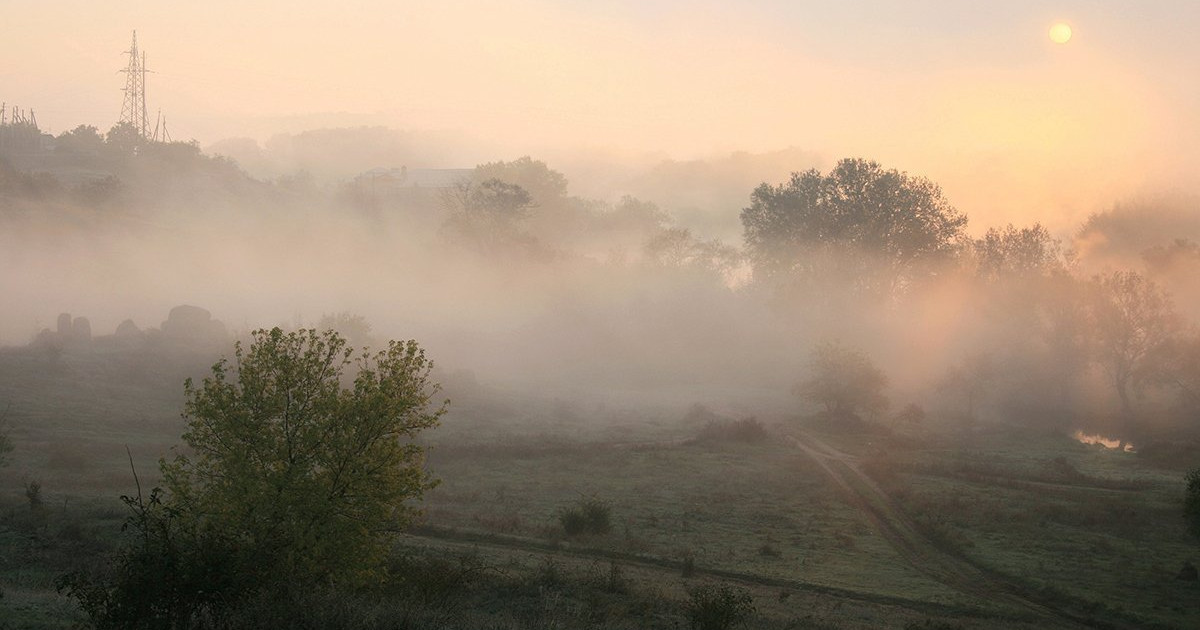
{"type": "Point", "coordinates": [718, 606]}
{"type": "Point", "coordinates": [590, 516]}
{"type": "Point", "coordinates": [748, 430]}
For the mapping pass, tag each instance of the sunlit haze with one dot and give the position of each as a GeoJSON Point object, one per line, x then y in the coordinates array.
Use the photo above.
{"type": "Point", "coordinates": [974, 97]}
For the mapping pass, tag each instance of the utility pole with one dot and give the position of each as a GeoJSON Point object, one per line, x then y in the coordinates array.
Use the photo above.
{"type": "Point", "coordinates": [160, 129]}
{"type": "Point", "coordinates": [133, 110]}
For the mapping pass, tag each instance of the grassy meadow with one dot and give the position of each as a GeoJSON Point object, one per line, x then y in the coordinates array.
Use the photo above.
{"type": "Point", "coordinates": [1065, 526]}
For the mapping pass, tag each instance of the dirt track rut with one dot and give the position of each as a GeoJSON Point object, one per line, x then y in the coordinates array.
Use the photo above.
{"type": "Point", "coordinates": [903, 534]}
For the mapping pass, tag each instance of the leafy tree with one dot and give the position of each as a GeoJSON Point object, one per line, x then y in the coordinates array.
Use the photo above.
{"type": "Point", "coordinates": [844, 381]}
{"type": "Point", "coordinates": [545, 186]}
{"type": "Point", "coordinates": [297, 474]}
{"type": "Point", "coordinates": [677, 248]}
{"type": "Point", "coordinates": [122, 140]}
{"type": "Point", "coordinates": [871, 230]}
{"type": "Point", "coordinates": [971, 380]}
{"type": "Point", "coordinates": [353, 327]}
{"type": "Point", "coordinates": [1177, 365]}
{"type": "Point", "coordinates": [82, 140]}
{"type": "Point", "coordinates": [309, 471]}
{"type": "Point", "coordinates": [1133, 320]}
{"type": "Point", "coordinates": [1017, 253]}
{"type": "Point", "coordinates": [488, 216]}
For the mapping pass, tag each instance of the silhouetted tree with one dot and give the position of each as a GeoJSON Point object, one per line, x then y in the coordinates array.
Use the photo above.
{"type": "Point", "coordinates": [871, 230]}
{"type": "Point", "coordinates": [1017, 253]}
{"type": "Point", "coordinates": [1132, 321]}
{"type": "Point", "coordinates": [488, 216]}
{"type": "Point", "coordinates": [677, 248]}
{"type": "Point", "coordinates": [970, 380]}
{"type": "Point", "coordinates": [844, 381]}
{"type": "Point", "coordinates": [122, 140]}
{"type": "Point", "coordinates": [84, 140]}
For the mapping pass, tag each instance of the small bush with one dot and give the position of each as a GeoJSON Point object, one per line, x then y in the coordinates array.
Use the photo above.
{"type": "Point", "coordinates": [33, 492]}
{"type": "Point", "coordinates": [589, 516]}
{"type": "Point", "coordinates": [718, 606]}
{"type": "Point", "coordinates": [1191, 502]}
{"type": "Point", "coordinates": [687, 568]}
{"type": "Point", "coordinates": [746, 430]}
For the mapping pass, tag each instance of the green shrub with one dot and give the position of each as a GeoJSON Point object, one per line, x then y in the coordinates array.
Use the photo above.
{"type": "Point", "coordinates": [589, 516]}
{"type": "Point", "coordinates": [718, 606]}
{"type": "Point", "coordinates": [746, 430]}
{"type": "Point", "coordinates": [1191, 502]}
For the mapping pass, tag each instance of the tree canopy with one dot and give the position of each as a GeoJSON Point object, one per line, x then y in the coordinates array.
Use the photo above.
{"type": "Point", "coordinates": [1133, 322]}
{"type": "Point", "coordinates": [873, 230]}
{"type": "Point", "coordinates": [309, 469]}
{"type": "Point", "coordinates": [844, 381]}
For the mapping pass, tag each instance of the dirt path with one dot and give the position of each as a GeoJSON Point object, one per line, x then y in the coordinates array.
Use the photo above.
{"type": "Point", "coordinates": [903, 534]}
{"type": "Point", "coordinates": [670, 570]}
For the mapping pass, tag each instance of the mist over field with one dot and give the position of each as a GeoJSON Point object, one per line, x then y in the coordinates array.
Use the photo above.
{"type": "Point", "coordinates": [774, 316]}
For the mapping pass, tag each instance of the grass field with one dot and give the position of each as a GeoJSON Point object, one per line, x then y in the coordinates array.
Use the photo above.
{"type": "Point", "coordinates": [1060, 526]}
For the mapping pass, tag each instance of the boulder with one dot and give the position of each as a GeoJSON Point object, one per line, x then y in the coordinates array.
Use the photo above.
{"type": "Point", "coordinates": [81, 330]}
{"type": "Point", "coordinates": [193, 325]}
{"type": "Point", "coordinates": [128, 329]}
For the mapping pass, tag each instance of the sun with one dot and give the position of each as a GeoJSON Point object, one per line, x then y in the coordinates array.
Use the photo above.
{"type": "Point", "coordinates": [1060, 33]}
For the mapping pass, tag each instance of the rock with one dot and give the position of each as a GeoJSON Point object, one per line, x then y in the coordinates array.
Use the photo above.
{"type": "Point", "coordinates": [81, 330]}
{"type": "Point", "coordinates": [193, 325]}
{"type": "Point", "coordinates": [128, 329]}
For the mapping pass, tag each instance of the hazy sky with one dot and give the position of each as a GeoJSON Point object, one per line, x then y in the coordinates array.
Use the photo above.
{"type": "Point", "coordinates": [972, 94]}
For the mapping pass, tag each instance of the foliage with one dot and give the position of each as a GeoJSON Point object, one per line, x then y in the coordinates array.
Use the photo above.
{"type": "Point", "coordinates": [1177, 365]}
{"type": "Point", "coordinates": [311, 474]}
{"type": "Point", "coordinates": [1133, 321]}
{"type": "Point", "coordinates": [872, 230]}
{"type": "Point", "coordinates": [744, 430]}
{"type": "Point", "coordinates": [844, 381]}
{"type": "Point", "coordinates": [1191, 502]}
{"type": "Point", "coordinates": [33, 494]}
{"type": "Point", "coordinates": [718, 606]}
{"type": "Point", "coordinates": [297, 474]}
{"type": "Point", "coordinates": [970, 380]}
{"type": "Point", "coordinates": [353, 327]}
{"type": "Point", "coordinates": [677, 248]}
{"type": "Point", "coordinates": [488, 216]}
{"type": "Point", "coordinates": [544, 185]}
{"type": "Point", "coordinates": [6, 445]}
{"type": "Point", "coordinates": [590, 516]}
{"type": "Point", "coordinates": [1017, 253]}
{"type": "Point", "coordinates": [172, 574]}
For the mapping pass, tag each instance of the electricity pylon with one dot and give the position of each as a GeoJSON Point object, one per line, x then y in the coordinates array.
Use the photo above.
{"type": "Point", "coordinates": [133, 110]}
